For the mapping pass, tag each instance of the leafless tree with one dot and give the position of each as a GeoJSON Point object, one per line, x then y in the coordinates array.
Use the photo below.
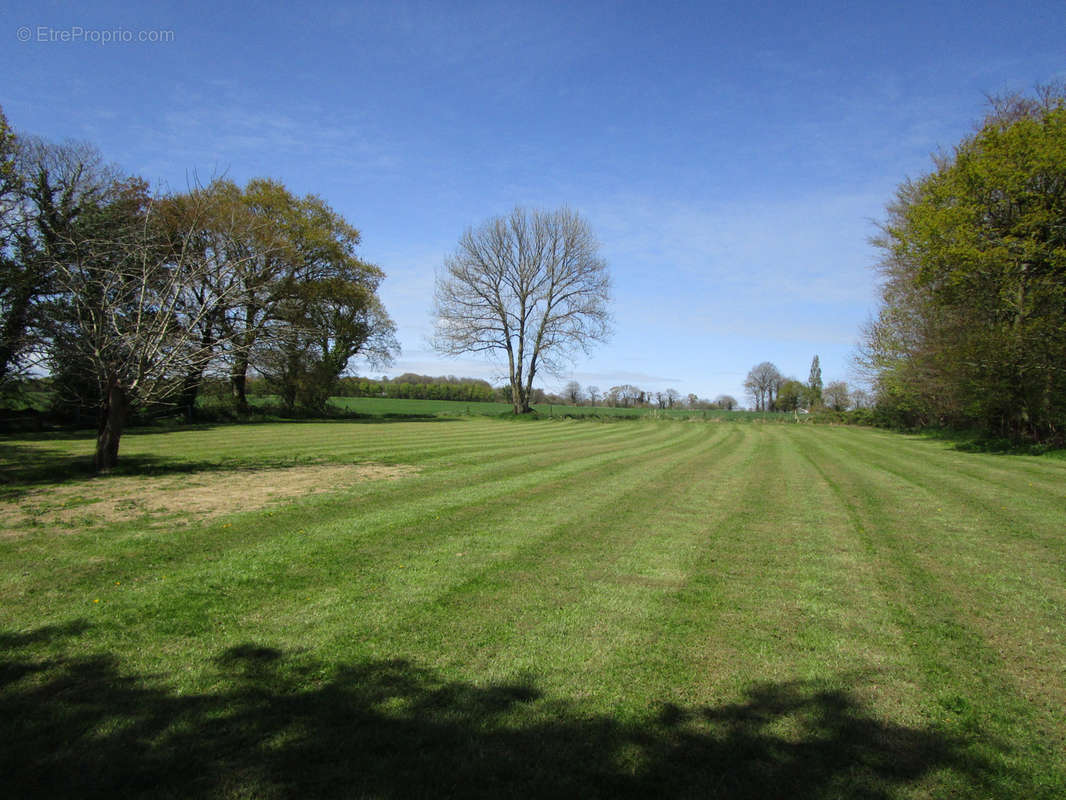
{"type": "Point", "coordinates": [836, 395]}
{"type": "Point", "coordinates": [860, 398]}
{"type": "Point", "coordinates": [572, 393]}
{"type": "Point", "coordinates": [762, 384]}
{"type": "Point", "coordinates": [531, 286]}
{"type": "Point", "coordinates": [130, 321]}
{"type": "Point", "coordinates": [594, 395]}
{"type": "Point", "coordinates": [725, 402]}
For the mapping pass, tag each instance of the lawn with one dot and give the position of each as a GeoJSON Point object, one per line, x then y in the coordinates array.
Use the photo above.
{"type": "Point", "coordinates": [557, 608]}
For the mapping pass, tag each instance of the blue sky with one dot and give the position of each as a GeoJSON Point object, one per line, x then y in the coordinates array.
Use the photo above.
{"type": "Point", "coordinates": [731, 157]}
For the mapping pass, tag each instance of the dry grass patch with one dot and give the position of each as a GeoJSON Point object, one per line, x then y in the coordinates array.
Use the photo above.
{"type": "Point", "coordinates": [194, 496]}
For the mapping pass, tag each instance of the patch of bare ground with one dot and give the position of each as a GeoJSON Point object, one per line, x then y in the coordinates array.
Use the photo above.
{"type": "Point", "coordinates": [195, 496]}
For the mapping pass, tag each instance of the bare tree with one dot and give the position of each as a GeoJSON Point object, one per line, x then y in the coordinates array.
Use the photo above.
{"type": "Point", "coordinates": [762, 384]}
{"type": "Point", "coordinates": [530, 285]}
{"type": "Point", "coordinates": [836, 395]}
{"type": "Point", "coordinates": [572, 393]}
{"type": "Point", "coordinates": [860, 398]}
{"type": "Point", "coordinates": [128, 321]}
{"type": "Point", "coordinates": [725, 402]}
{"type": "Point", "coordinates": [594, 395]}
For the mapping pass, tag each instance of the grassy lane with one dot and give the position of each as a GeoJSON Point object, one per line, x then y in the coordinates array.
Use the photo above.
{"type": "Point", "coordinates": [555, 608]}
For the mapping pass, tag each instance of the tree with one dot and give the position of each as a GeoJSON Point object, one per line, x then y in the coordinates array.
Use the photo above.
{"type": "Point", "coordinates": [814, 384]}
{"type": "Point", "coordinates": [301, 303]}
{"type": "Point", "coordinates": [972, 328]}
{"type": "Point", "coordinates": [762, 384]}
{"type": "Point", "coordinates": [673, 397]}
{"type": "Point", "coordinates": [572, 393]}
{"type": "Point", "coordinates": [530, 286]}
{"type": "Point", "coordinates": [860, 398]}
{"type": "Point", "coordinates": [594, 395]}
{"type": "Point", "coordinates": [45, 189]}
{"type": "Point", "coordinates": [326, 324]}
{"type": "Point", "coordinates": [124, 318]}
{"type": "Point", "coordinates": [836, 396]}
{"type": "Point", "coordinates": [626, 395]}
{"type": "Point", "coordinates": [11, 316]}
{"type": "Point", "coordinates": [791, 395]}
{"type": "Point", "coordinates": [725, 402]}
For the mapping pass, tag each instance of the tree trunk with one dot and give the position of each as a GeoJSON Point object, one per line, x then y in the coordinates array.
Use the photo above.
{"type": "Point", "coordinates": [112, 420]}
{"type": "Point", "coordinates": [239, 381]}
{"type": "Point", "coordinates": [518, 400]}
{"type": "Point", "coordinates": [190, 389]}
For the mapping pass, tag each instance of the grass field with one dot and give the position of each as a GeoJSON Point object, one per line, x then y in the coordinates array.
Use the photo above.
{"type": "Point", "coordinates": [476, 607]}
{"type": "Point", "coordinates": [396, 407]}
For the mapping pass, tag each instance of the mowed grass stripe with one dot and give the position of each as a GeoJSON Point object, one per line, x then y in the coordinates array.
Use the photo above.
{"type": "Point", "coordinates": [1013, 548]}
{"type": "Point", "coordinates": [655, 605]}
{"type": "Point", "coordinates": [775, 588]}
{"type": "Point", "coordinates": [740, 610]}
{"type": "Point", "coordinates": [554, 600]}
{"type": "Point", "coordinates": [279, 444]}
{"type": "Point", "coordinates": [967, 688]}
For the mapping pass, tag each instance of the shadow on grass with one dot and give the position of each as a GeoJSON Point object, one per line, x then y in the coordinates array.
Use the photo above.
{"type": "Point", "coordinates": [284, 725]}
{"type": "Point", "coordinates": [23, 465]}
{"type": "Point", "coordinates": [973, 442]}
{"type": "Point", "coordinates": [22, 468]}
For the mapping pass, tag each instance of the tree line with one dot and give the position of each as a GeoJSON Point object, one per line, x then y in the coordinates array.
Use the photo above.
{"type": "Point", "coordinates": [423, 387]}
{"type": "Point", "coordinates": [971, 331]}
{"type": "Point", "coordinates": [130, 297]}
{"type": "Point", "coordinates": [769, 390]}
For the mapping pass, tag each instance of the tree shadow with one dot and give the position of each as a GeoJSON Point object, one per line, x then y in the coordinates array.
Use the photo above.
{"type": "Point", "coordinates": [23, 466]}
{"type": "Point", "coordinates": [279, 724]}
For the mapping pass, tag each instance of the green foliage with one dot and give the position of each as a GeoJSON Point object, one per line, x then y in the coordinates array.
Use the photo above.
{"type": "Point", "coordinates": [306, 303]}
{"type": "Point", "coordinates": [973, 325]}
{"type": "Point", "coordinates": [791, 395]}
{"type": "Point", "coordinates": [814, 384]}
{"type": "Point", "coordinates": [131, 300]}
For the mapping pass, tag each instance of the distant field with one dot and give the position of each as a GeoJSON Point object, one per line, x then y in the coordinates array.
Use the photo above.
{"type": "Point", "coordinates": [382, 406]}
{"type": "Point", "coordinates": [557, 608]}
